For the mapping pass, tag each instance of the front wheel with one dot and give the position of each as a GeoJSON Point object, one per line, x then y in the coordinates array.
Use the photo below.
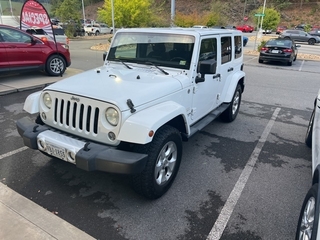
{"type": "Point", "coordinates": [55, 65]}
{"type": "Point", "coordinates": [311, 41]}
{"type": "Point", "coordinates": [164, 157]}
{"type": "Point", "coordinates": [308, 220]}
{"type": "Point", "coordinates": [308, 139]}
{"type": "Point", "coordinates": [231, 112]}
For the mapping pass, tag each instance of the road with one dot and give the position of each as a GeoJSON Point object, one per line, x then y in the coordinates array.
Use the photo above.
{"type": "Point", "coordinates": [243, 180]}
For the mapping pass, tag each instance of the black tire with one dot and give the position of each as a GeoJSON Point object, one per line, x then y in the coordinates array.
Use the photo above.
{"type": "Point", "coordinates": [289, 63]}
{"type": "Point", "coordinates": [231, 112]}
{"type": "Point", "coordinates": [55, 65]}
{"type": "Point", "coordinates": [308, 139]}
{"type": "Point", "coordinates": [260, 60]}
{"type": "Point", "coordinates": [287, 38]}
{"type": "Point", "coordinates": [308, 219]}
{"type": "Point", "coordinates": [97, 33]}
{"type": "Point", "coordinates": [167, 142]}
{"type": "Point", "coordinates": [311, 41]}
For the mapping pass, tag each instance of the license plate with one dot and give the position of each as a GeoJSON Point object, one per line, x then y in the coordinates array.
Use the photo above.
{"type": "Point", "coordinates": [56, 151]}
{"type": "Point", "coordinates": [275, 51]}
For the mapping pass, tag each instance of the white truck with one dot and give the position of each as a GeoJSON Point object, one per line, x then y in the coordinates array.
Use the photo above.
{"type": "Point", "coordinates": [97, 29]}
{"type": "Point", "coordinates": [156, 88]}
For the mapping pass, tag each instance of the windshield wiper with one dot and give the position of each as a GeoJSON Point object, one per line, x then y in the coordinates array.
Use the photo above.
{"type": "Point", "coordinates": [119, 60]}
{"type": "Point", "coordinates": [151, 63]}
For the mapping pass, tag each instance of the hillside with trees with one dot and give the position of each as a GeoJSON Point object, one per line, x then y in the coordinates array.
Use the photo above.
{"type": "Point", "coordinates": [130, 13]}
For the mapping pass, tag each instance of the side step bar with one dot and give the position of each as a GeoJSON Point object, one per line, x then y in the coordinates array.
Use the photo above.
{"type": "Point", "coordinates": [208, 119]}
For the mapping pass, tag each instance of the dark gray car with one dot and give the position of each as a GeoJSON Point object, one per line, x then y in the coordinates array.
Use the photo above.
{"type": "Point", "coordinates": [300, 36]}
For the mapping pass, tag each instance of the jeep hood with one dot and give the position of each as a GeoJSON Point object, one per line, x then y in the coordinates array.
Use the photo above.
{"type": "Point", "coordinates": [116, 86]}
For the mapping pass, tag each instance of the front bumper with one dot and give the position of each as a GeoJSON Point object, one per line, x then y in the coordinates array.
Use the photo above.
{"type": "Point", "coordinates": [86, 155]}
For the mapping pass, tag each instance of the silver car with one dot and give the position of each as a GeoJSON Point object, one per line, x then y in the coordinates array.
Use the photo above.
{"type": "Point", "coordinates": [308, 223]}
{"type": "Point", "coordinates": [300, 36]}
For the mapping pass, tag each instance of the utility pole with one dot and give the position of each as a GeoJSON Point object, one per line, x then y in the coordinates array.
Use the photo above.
{"type": "Point", "coordinates": [173, 7]}
{"type": "Point", "coordinates": [112, 12]}
{"type": "Point", "coordinates": [84, 16]}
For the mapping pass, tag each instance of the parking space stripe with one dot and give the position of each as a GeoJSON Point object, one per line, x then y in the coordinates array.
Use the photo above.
{"type": "Point", "coordinates": [223, 218]}
{"type": "Point", "coordinates": [13, 152]}
{"type": "Point", "coordinates": [300, 68]}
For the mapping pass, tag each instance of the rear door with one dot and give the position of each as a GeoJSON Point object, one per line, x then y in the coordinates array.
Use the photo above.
{"type": "Point", "coordinates": [4, 64]}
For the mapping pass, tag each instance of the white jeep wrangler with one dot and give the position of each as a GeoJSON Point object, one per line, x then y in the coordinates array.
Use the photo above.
{"type": "Point", "coordinates": [157, 87]}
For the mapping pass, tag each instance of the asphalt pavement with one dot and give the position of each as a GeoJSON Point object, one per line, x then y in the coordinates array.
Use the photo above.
{"type": "Point", "coordinates": [20, 218]}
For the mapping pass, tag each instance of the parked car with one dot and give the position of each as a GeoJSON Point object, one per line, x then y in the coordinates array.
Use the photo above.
{"type": "Point", "coordinates": [245, 28]}
{"type": "Point", "coordinates": [315, 33]}
{"type": "Point", "coordinates": [20, 51]}
{"type": "Point", "coordinates": [280, 50]}
{"type": "Point", "coordinates": [199, 26]}
{"type": "Point", "coordinates": [268, 31]}
{"type": "Point", "coordinates": [299, 36]}
{"type": "Point", "coordinates": [131, 115]}
{"type": "Point", "coordinates": [308, 222]}
{"type": "Point", "coordinates": [280, 29]}
{"type": "Point", "coordinates": [300, 27]}
{"type": "Point", "coordinates": [231, 27]}
{"type": "Point", "coordinates": [97, 29]}
{"type": "Point", "coordinates": [58, 32]}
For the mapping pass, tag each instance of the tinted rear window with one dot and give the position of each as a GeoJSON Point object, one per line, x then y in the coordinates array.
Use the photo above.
{"type": "Point", "coordinates": [37, 31]}
{"type": "Point", "coordinates": [286, 43]}
{"type": "Point", "coordinates": [58, 31]}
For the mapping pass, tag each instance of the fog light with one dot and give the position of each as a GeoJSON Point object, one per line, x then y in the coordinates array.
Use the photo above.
{"type": "Point", "coordinates": [112, 136]}
{"type": "Point", "coordinates": [41, 145]}
{"type": "Point", "coordinates": [44, 116]}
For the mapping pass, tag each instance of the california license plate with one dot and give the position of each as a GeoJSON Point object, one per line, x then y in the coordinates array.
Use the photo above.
{"type": "Point", "coordinates": [275, 51]}
{"type": "Point", "coordinates": [56, 151]}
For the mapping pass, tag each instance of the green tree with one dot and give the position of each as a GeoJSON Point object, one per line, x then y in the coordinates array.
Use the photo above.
{"type": "Point", "coordinates": [68, 10]}
{"type": "Point", "coordinates": [271, 19]}
{"type": "Point", "coordinates": [127, 13]}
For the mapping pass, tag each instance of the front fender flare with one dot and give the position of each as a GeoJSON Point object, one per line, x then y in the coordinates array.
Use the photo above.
{"type": "Point", "coordinates": [137, 127]}
{"type": "Point", "coordinates": [32, 103]}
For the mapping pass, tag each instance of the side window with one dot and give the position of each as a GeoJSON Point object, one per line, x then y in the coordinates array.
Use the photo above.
{"type": "Point", "coordinates": [238, 46]}
{"type": "Point", "coordinates": [208, 49]}
{"type": "Point", "coordinates": [226, 50]}
{"type": "Point", "coordinates": [10, 35]}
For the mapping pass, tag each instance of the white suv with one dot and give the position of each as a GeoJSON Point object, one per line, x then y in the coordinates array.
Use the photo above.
{"type": "Point", "coordinates": [157, 88]}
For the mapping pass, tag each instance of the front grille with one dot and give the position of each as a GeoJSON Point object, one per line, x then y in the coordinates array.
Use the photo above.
{"type": "Point", "coordinates": [78, 116]}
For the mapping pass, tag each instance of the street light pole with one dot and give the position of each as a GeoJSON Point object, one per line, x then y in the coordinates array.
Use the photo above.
{"type": "Point", "coordinates": [84, 16]}
{"type": "Point", "coordinates": [112, 15]}
{"type": "Point", "coordinates": [264, 7]}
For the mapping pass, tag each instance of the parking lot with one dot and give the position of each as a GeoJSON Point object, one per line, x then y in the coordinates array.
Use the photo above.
{"type": "Point", "coordinates": [243, 180]}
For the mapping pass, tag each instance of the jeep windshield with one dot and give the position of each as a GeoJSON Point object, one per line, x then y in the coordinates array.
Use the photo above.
{"type": "Point", "coordinates": [160, 49]}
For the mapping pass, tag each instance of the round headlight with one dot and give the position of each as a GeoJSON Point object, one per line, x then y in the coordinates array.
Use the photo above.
{"type": "Point", "coordinates": [112, 116]}
{"type": "Point", "coordinates": [47, 100]}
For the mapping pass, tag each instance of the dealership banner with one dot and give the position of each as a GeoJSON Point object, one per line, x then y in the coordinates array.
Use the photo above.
{"type": "Point", "coordinates": [33, 14]}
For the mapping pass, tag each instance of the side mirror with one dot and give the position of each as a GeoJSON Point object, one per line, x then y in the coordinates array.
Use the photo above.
{"type": "Point", "coordinates": [208, 67]}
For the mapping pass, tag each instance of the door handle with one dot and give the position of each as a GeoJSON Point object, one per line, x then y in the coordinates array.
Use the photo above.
{"type": "Point", "coordinates": [216, 76]}
{"type": "Point", "coordinates": [230, 69]}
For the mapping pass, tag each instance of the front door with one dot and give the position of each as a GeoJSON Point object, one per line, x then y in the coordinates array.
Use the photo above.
{"type": "Point", "coordinates": [206, 94]}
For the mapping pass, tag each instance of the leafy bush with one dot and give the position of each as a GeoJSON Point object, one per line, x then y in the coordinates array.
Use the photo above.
{"type": "Point", "coordinates": [262, 43]}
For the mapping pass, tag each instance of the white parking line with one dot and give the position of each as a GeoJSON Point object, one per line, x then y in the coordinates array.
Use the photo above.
{"type": "Point", "coordinates": [13, 152]}
{"type": "Point", "coordinates": [223, 218]}
{"type": "Point", "coordinates": [300, 68]}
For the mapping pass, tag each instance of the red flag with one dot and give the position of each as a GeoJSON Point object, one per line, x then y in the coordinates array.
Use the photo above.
{"type": "Point", "coordinates": [33, 14]}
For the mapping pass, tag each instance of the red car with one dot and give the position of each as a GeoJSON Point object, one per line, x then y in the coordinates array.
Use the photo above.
{"type": "Point", "coordinates": [20, 51]}
{"type": "Point", "coordinates": [245, 28]}
{"type": "Point", "coordinates": [280, 29]}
